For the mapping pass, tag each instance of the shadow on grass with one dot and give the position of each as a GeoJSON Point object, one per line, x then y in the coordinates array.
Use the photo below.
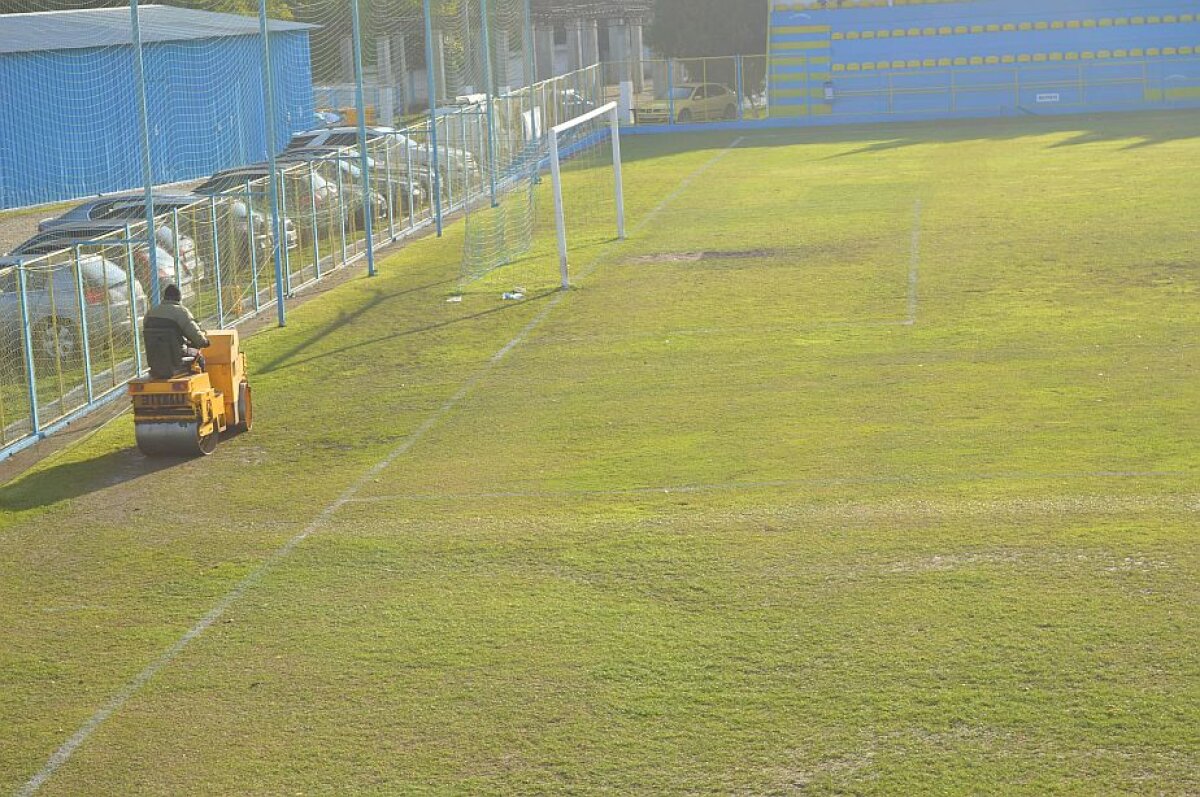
{"type": "Point", "coordinates": [1140, 128]}
{"type": "Point", "coordinates": [343, 319]}
{"type": "Point", "coordinates": [76, 479]}
{"type": "Point", "coordinates": [338, 352]}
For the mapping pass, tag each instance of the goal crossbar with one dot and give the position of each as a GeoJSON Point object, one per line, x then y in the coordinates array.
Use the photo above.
{"type": "Point", "coordinates": [610, 111]}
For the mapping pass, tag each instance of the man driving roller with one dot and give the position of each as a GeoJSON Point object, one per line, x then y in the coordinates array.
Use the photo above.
{"type": "Point", "coordinates": [169, 313]}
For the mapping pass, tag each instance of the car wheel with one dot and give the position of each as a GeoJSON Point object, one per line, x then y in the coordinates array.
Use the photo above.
{"type": "Point", "coordinates": [685, 116]}
{"type": "Point", "coordinates": [56, 339]}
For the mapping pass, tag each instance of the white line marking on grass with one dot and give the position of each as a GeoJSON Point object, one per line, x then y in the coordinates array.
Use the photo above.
{"type": "Point", "coordinates": [686, 489]}
{"type": "Point", "coordinates": [117, 701]}
{"type": "Point", "coordinates": [914, 266]}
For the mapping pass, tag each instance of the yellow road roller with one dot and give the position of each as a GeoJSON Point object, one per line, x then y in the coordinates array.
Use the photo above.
{"type": "Point", "coordinates": [184, 414]}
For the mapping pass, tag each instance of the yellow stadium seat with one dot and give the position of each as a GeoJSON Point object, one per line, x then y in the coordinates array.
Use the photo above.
{"type": "Point", "coordinates": [943, 31]}
{"type": "Point", "coordinates": [929, 62]}
{"type": "Point", "coordinates": [1153, 20]}
{"type": "Point", "coordinates": [1120, 22]}
{"type": "Point", "coordinates": [866, 34]}
{"type": "Point", "coordinates": [1136, 52]}
{"type": "Point", "coordinates": [1170, 19]}
{"type": "Point", "coordinates": [1152, 52]}
{"type": "Point", "coordinates": [1120, 53]}
{"type": "Point", "coordinates": [1055, 57]}
{"type": "Point", "coordinates": [976, 60]}
{"type": "Point", "coordinates": [993, 28]}
{"type": "Point", "coordinates": [1103, 54]}
{"type": "Point", "coordinates": [1088, 23]}
{"type": "Point", "coordinates": [1023, 58]}
{"type": "Point", "coordinates": [851, 67]}
{"type": "Point", "coordinates": [1073, 23]}
{"type": "Point", "coordinates": [1186, 51]}
{"type": "Point", "coordinates": [960, 61]}
{"type": "Point", "coordinates": [850, 34]}
{"type": "Point", "coordinates": [1041, 25]}
{"type": "Point", "coordinates": [883, 64]}
{"type": "Point", "coordinates": [1007, 59]}
{"type": "Point", "coordinates": [1187, 18]}
{"type": "Point", "coordinates": [929, 31]}
{"type": "Point", "coordinates": [913, 63]}
{"type": "Point", "coordinates": [1106, 23]}
{"type": "Point", "coordinates": [944, 62]}
{"type": "Point", "coordinates": [1072, 56]}
{"type": "Point", "coordinates": [897, 64]}
{"type": "Point", "coordinates": [991, 59]}
{"type": "Point", "coordinates": [960, 29]}
{"type": "Point", "coordinates": [899, 33]}
{"type": "Point", "coordinates": [1087, 55]}
{"type": "Point", "coordinates": [868, 66]}
{"type": "Point", "coordinates": [838, 67]}
{"type": "Point", "coordinates": [1169, 51]}
{"type": "Point", "coordinates": [1137, 20]}
{"type": "Point", "coordinates": [1057, 25]}
{"type": "Point", "coordinates": [837, 37]}
{"type": "Point", "coordinates": [1008, 26]}
{"type": "Point", "coordinates": [1024, 26]}
{"type": "Point", "coordinates": [977, 28]}
{"type": "Point", "coordinates": [1039, 57]}
{"type": "Point", "coordinates": [914, 31]}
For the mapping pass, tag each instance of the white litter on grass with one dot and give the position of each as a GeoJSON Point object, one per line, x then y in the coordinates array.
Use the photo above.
{"type": "Point", "coordinates": [454, 300]}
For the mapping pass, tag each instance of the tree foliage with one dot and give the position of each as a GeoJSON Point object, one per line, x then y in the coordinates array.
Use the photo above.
{"type": "Point", "coordinates": [685, 29]}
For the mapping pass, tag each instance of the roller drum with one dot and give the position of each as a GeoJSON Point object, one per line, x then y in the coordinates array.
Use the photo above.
{"type": "Point", "coordinates": [173, 439]}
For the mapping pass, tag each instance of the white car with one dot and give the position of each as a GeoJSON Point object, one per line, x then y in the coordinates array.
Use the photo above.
{"type": "Point", "coordinates": [458, 159]}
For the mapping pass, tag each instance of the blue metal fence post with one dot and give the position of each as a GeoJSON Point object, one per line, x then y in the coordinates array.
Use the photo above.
{"type": "Point", "coordinates": [316, 227]}
{"type": "Point", "coordinates": [216, 241]}
{"type": "Point", "coordinates": [35, 424]}
{"type": "Point", "coordinates": [670, 92]}
{"type": "Point", "coordinates": [363, 160]}
{"type": "Point", "coordinates": [269, 114]}
{"type": "Point", "coordinates": [490, 94]}
{"type": "Point", "coordinates": [741, 88]}
{"type": "Point", "coordinates": [139, 76]}
{"type": "Point", "coordinates": [134, 315]}
{"type": "Point", "coordinates": [431, 82]}
{"type": "Point", "coordinates": [253, 244]}
{"type": "Point", "coordinates": [84, 332]}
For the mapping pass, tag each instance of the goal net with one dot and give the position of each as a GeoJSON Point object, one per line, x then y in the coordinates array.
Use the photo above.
{"type": "Point", "coordinates": [585, 169]}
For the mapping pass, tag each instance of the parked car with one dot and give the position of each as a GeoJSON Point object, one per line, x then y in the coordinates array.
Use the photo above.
{"type": "Point", "coordinates": [233, 182]}
{"type": "Point", "coordinates": [690, 102]}
{"type": "Point", "coordinates": [402, 148]}
{"type": "Point", "coordinates": [90, 237]}
{"type": "Point", "coordinates": [55, 317]}
{"type": "Point", "coordinates": [109, 216]}
{"type": "Point", "coordinates": [347, 160]}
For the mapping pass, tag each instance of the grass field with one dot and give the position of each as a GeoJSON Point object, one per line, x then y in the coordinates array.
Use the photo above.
{"type": "Point", "coordinates": [867, 465]}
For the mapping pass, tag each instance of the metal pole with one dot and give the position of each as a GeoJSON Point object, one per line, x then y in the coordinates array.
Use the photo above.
{"type": "Point", "coordinates": [134, 316]}
{"type": "Point", "coordinates": [253, 248]}
{"type": "Point", "coordinates": [530, 49]}
{"type": "Point", "coordinates": [316, 229]}
{"type": "Point", "coordinates": [84, 333]}
{"type": "Point", "coordinates": [363, 160]}
{"type": "Point", "coordinates": [559, 215]}
{"type": "Point", "coordinates": [620, 184]}
{"type": "Point", "coordinates": [491, 111]}
{"type": "Point", "coordinates": [670, 92]}
{"type": "Point", "coordinates": [212, 215]}
{"type": "Point", "coordinates": [391, 190]}
{"type": "Point", "coordinates": [35, 424]}
{"type": "Point", "coordinates": [269, 113]}
{"type": "Point", "coordinates": [139, 69]}
{"type": "Point", "coordinates": [741, 88]}
{"type": "Point", "coordinates": [433, 142]}
{"type": "Point", "coordinates": [412, 211]}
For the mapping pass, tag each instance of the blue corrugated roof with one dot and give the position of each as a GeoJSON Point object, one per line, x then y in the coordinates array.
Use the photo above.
{"type": "Point", "coordinates": [107, 27]}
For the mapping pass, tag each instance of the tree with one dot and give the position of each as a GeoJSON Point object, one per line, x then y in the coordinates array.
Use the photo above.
{"type": "Point", "coordinates": [710, 28]}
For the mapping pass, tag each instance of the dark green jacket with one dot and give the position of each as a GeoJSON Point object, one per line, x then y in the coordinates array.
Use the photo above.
{"type": "Point", "coordinates": [176, 312]}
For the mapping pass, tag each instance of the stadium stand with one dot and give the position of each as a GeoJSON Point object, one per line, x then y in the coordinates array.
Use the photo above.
{"type": "Point", "coordinates": [868, 57]}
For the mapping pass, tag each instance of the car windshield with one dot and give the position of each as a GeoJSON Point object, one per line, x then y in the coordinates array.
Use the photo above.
{"type": "Point", "coordinates": [681, 93]}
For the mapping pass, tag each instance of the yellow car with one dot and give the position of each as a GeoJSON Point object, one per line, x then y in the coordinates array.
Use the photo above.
{"type": "Point", "coordinates": [691, 102]}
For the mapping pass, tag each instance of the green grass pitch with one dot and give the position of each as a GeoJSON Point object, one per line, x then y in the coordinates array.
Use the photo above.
{"type": "Point", "coordinates": [866, 465]}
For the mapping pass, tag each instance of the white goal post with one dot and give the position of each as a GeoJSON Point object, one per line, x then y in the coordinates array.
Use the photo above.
{"type": "Point", "coordinates": [610, 111]}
